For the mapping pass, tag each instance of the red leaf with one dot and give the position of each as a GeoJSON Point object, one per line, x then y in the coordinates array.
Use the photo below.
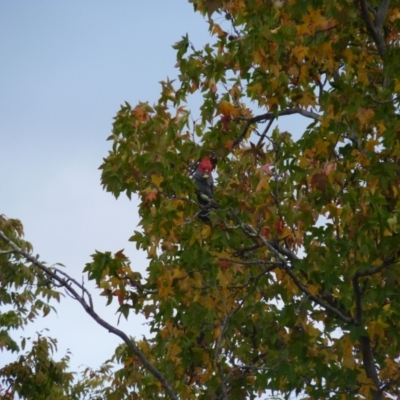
{"type": "Point", "coordinates": [223, 264]}
{"type": "Point", "coordinates": [278, 226]}
{"type": "Point", "coordinates": [266, 231]}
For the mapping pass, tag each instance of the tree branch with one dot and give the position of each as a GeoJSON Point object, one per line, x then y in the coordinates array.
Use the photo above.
{"type": "Point", "coordinates": [358, 294]}
{"type": "Point", "coordinates": [381, 14]}
{"type": "Point", "coordinates": [372, 271]}
{"type": "Point", "coordinates": [369, 365]}
{"type": "Point", "coordinates": [67, 282]}
{"type": "Point", "coordinates": [376, 29]}
{"type": "Point", "coordinates": [317, 300]}
{"type": "Point", "coordinates": [251, 262]}
{"type": "Point", "coordinates": [271, 116]}
{"type": "Point", "coordinates": [250, 231]}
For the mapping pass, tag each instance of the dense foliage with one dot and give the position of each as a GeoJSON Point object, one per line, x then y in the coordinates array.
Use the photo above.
{"type": "Point", "coordinates": [292, 285]}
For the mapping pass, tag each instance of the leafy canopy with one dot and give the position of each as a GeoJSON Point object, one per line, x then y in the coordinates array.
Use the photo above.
{"type": "Point", "coordinates": [293, 284]}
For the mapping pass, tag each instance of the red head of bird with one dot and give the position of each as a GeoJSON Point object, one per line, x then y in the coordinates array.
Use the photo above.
{"type": "Point", "coordinates": [205, 166]}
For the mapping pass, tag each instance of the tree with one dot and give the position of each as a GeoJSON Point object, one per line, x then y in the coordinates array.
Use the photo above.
{"type": "Point", "coordinates": [293, 283]}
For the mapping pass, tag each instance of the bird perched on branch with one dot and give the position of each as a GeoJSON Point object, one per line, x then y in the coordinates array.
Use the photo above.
{"type": "Point", "coordinates": [205, 187]}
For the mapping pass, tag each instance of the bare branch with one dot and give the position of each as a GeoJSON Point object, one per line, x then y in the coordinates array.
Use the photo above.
{"type": "Point", "coordinates": [271, 116]}
{"type": "Point", "coordinates": [262, 136]}
{"type": "Point", "coordinates": [290, 111]}
{"type": "Point", "coordinates": [68, 283]}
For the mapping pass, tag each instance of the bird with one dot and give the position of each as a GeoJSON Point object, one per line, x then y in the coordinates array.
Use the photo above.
{"type": "Point", "coordinates": [205, 187]}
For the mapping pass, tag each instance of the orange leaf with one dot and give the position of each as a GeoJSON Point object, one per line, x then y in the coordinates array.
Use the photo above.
{"type": "Point", "coordinates": [229, 145]}
{"type": "Point", "coordinates": [151, 196]}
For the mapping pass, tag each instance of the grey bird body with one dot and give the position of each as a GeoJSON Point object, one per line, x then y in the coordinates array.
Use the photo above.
{"type": "Point", "coordinates": [205, 188]}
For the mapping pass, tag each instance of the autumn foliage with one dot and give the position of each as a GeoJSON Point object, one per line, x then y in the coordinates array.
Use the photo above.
{"type": "Point", "coordinates": [292, 286]}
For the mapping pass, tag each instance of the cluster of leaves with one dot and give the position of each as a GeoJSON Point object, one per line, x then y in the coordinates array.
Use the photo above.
{"type": "Point", "coordinates": [293, 284]}
{"type": "Point", "coordinates": [24, 292]}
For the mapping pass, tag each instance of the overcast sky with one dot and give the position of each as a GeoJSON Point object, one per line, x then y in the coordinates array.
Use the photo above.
{"type": "Point", "coordinates": [65, 67]}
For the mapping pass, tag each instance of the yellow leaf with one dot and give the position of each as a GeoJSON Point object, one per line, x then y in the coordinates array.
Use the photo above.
{"type": "Point", "coordinates": [321, 146]}
{"type": "Point", "coordinates": [285, 233]}
{"type": "Point", "coordinates": [157, 179]}
{"type": "Point", "coordinates": [370, 145]}
{"type": "Point", "coordinates": [208, 302]}
{"type": "Point", "coordinates": [381, 127]}
{"type": "Point", "coordinates": [271, 102]}
{"type": "Point", "coordinates": [363, 77]}
{"type": "Point", "coordinates": [178, 273]}
{"type": "Point", "coordinates": [172, 351]}
{"type": "Point", "coordinates": [259, 56]}
{"type": "Point", "coordinates": [303, 29]}
{"type": "Point", "coordinates": [152, 252]}
{"type": "Point", "coordinates": [364, 115]}
{"type": "Point", "coordinates": [206, 231]}
{"type": "Point", "coordinates": [300, 52]}
{"type": "Point", "coordinates": [216, 30]}
{"type": "Point", "coordinates": [347, 347]}
{"type": "Point", "coordinates": [397, 85]}
{"type": "Point", "coordinates": [307, 99]}
{"type": "Point", "coordinates": [226, 108]}
{"type": "Point", "coordinates": [165, 291]}
{"type": "Point", "coordinates": [313, 289]}
{"type": "Point", "coordinates": [263, 184]}
{"type": "Point", "coordinates": [391, 370]}
{"type": "Point", "coordinates": [217, 332]}
{"type": "Point", "coordinates": [376, 329]}
{"type": "Point", "coordinates": [222, 278]}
